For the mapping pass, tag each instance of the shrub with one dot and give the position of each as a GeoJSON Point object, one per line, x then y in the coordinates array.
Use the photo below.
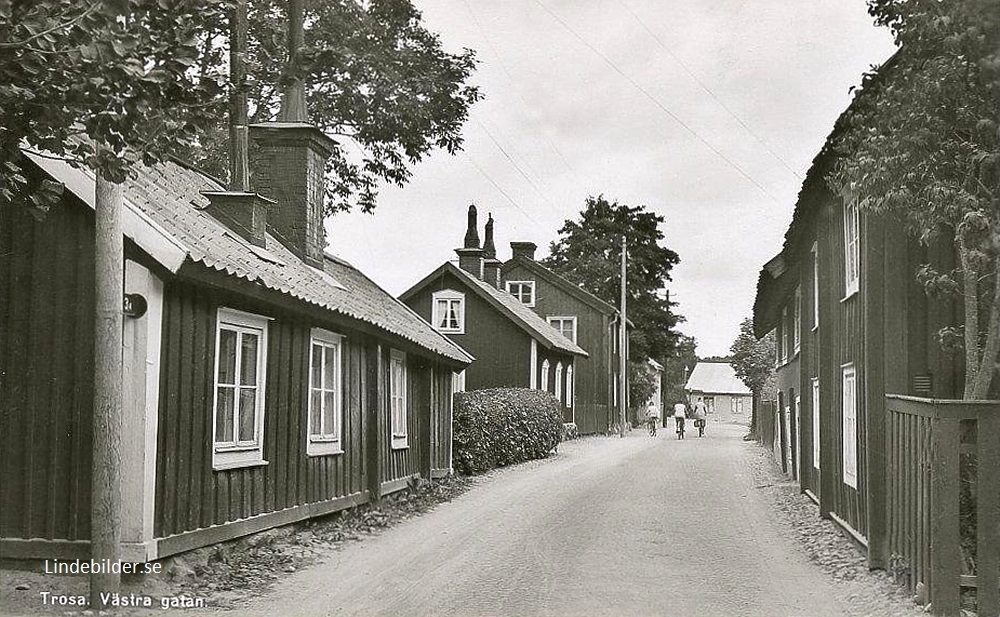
{"type": "Point", "coordinates": [504, 426]}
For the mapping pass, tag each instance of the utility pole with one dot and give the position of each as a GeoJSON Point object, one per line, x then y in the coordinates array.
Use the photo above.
{"type": "Point", "coordinates": [239, 170]}
{"type": "Point", "coordinates": [623, 351]}
{"type": "Point", "coordinates": [106, 463]}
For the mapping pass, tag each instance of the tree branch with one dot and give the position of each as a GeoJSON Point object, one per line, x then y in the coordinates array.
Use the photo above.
{"type": "Point", "coordinates": [68, 24]}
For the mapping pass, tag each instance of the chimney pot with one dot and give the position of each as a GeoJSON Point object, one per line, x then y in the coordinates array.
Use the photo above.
{"type": "Point", "coordinates": [523, 249]}
{"type": "Point", "coordinates": [243, 213]}
{"type": "Point", "coordinates": [471, 233]}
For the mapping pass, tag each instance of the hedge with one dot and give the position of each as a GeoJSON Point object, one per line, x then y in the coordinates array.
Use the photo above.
{"type": "Point", "coordinates": [504, 426]}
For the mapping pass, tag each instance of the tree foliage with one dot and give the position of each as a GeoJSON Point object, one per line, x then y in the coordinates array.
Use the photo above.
{"type": "Point", "coordinates": [102, 84]}
{"type": "Point", "coordinates": [376, 79]}
{"type": "Point", "coordinates": [588, 253]}
{"type": "Point", "coordinates": [921, 143]}
{"type": "Point", "coordinates": [677, 367]}
{"type": "Point", "coordinates": [752, 359]}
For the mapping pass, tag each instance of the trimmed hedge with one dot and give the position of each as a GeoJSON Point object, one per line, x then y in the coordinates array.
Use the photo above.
{"type": "Point", "coordinates": [504, 426]}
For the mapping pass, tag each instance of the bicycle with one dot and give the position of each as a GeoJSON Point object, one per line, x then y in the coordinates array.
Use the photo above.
{"type": "Point", "coordinates": [680, 427]}
{"type": "Point", "coordinates": [652, 426]}
{"type": "Point", "coordinates": [700, 425]}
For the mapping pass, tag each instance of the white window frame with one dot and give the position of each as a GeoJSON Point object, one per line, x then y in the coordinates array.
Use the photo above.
{"type": "Point", "coordinates": [569, 385]}
{"type": "Point", "coordinates": [528, 284]}
{"type": "Point", "coordinates": [849, 424]}
{"type": "Point", "coordinates": [329, 441]}
{"type": "Point", "coordinates": [398, 401]}
{"type": "Point", "coordinates": [233, 454]}
{"type": "Point", "coordinates": [557, 322]}
{"type": "Point", "coordinates": [797, 321]}
{"type": "Point", "coordinates": [785, 355]}
{"type": "Point", "coordinates": [559, 383]}
{"type": "Point", "coordinates": [458, 381]}
{"type": "Point", "coordinates": [545, 375]}
{"type": "Point", "coordinates": [815, 421]}
{"type": "Point", "coordinates": [852, 263]}
{"type": "Point", "coordinates": [448, 295]}
{"type": "Point", "coordinates": [815, 284]}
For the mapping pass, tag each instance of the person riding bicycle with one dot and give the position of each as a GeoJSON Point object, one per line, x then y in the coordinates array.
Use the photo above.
{"type": "Point", "coordinates": [680, 414]}
{"type": "Point", "coordinates": [652, 418]}
{"type": "Point", "coordinates": [700, 414]}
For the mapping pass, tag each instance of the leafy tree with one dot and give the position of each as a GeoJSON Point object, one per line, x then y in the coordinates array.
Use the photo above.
{"type": "Point", "coordinates": [677, 367]}
{"type": "Point", "coordinates": [753, 362]}
{"type": "Point", "coordinates": [376, 78]}
{"type": "Point", "coordinates": [101, 84]}
{"type": "Point", "coordinates": [921, 143]}
{"type": "Point", "coordinates": [588, 253]}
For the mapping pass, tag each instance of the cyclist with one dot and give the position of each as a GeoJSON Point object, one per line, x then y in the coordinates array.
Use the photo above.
{"type": "Point", "coordinates": [700, 415]}
{"type": "Point", "coordinates": [680, 414]}
{"type": "Point", "coordinates": [652, 418]}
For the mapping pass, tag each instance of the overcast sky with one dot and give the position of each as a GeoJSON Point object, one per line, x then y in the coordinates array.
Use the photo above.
{"type": "Point", "coordinates": [708, 112]}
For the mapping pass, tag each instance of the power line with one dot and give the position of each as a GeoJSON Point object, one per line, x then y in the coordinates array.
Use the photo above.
{"type": "Point", "coordinates": [499, 188]}
{"type": "Point", "coordinates": [515, 165]}
{"type": "Point", "coordinates": [708, 90]}
{"type": "Point", "coordinates": [657, 102]}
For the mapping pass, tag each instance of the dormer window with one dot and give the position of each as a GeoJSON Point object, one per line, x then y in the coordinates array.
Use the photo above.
{"type": "Point", "coordinates": [524, 291]}
{"type": "Point", "coordinates": [448, 311]}
{"type": "Point", "coordinates": [565, 325]}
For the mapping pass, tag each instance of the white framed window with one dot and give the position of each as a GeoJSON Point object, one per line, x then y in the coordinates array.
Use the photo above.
{"type": "Point", "coordinates": [524, 291]}
{"type": "Point", "coordinates": [797, 321]}
{"type": "Point", "coordinates": [240, 375]}
{"type": "Point", "coordinates": [852, 267]}
{"type": "Point", "coordinates": [559, 393]}
{"type": "Point", "coordinates": [545, 375]}
{"type": "Point", "coordinates": [815, 284]}
{"type": "Point", "coordinates": [458, 382]}
{"type": "Point", "coordinates": [785, 335]}
{"type": "Point", "coordinates": [326, 393]}
{"type": "Point", "coordinates": [565, 325]}
{"type": "Point", "coordinates": [397, 399]}
{"type": "Point", "coordinates": [815, 421]}
{"type": "Point", "coordinates": [569, 385]}
{"type": "Point", "coordinates": [850, 425]}
{"type": "Point", "coordinates": [448, 311]}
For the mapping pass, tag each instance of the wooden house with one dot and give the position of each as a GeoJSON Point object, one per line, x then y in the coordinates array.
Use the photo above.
{"type": "Point", "coordinates": [513, 346]}
{"type": "Point", "coordinates": [583, 318]}
{"type": "Point", "coordinates": [267, 382]}
{"type": "Point", "coordinates": [726, 398]}
{"type": "Point", "coordinates": [853, 325]}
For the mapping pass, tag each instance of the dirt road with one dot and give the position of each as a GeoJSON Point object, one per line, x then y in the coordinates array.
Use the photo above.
{"type": "Point", "coordinates": [633, 526]}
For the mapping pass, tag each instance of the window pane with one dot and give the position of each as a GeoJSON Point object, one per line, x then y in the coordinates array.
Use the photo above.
{"type": "Point", "coordinates": [227, 356]}
{"type": "Point", "coordinates": [442, 311]}
{"type": "Point", "coordinates": [248, 413]}
{"type": "Point", "coordinates": [315, 411]}
{"type": "Point", "coordinates": [330, 368]}
{"type": "Point", "coordinates": [317, 366]}
{"type": "Point", "coordinates": [224, 414]}
{"type": "Point", "coordinates": [329, 410]}
{"type": "Point", "coordinates": [248, 359]}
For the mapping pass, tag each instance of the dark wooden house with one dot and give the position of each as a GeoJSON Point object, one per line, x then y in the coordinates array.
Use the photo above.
{"type": "Point", "coordinates": [267, 382]}
{"type": "Point", "coordinates": [513, 346]}
{"type": "Point", "coordinates": [853, 325]}
{"type": "Point", "coordinates": [583, 318]}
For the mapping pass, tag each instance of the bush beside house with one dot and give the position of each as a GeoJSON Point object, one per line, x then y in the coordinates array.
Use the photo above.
{"type": "Point", "coordinates": [504, 426]}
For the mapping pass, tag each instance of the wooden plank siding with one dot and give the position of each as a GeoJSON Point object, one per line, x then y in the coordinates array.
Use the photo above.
{"type": "Point", "coordinates": [46, 388]}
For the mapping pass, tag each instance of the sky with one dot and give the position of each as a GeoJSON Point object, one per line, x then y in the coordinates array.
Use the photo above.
{"type": "Point", "coordinates": [708, 113]}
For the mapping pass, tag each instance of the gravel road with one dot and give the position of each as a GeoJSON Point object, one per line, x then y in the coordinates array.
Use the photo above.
{"type": "Point", "coordinates": [633, 526]}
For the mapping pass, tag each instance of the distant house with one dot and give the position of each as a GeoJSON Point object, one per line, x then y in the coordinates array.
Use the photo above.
{"type": "Point", "coordinates": [267, 381]}
{"type": "Point", "coordinates": [726, 398]}
{"type": "Point", "coordinates": [513, 346]}
{"type": "Point", "coordinates": [583, 318]}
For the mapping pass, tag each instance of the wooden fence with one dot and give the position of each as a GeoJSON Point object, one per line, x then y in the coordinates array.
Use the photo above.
{"type": "Point", "coordinates": [943, 468]}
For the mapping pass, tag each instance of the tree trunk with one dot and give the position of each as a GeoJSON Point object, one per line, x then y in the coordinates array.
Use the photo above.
{"type": "Point", "coordinates": [105, 506]}
{"type": "Point", "coordinates": [970, 300]}
{"type": "Point", "coordinates": [987, 364]}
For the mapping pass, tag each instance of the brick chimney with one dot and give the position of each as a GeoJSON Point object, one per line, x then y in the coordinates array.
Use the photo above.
{"type": "Point", "coordinates": [491, 265]}
{"type": "Point", "coordinates": [287, 164]}
{"type": "Point", "coordinates": [523, 249]}
{"type": "Point", "coordinates": [470, 256]}
{"type": "Point", "coordinates": [244, 213]}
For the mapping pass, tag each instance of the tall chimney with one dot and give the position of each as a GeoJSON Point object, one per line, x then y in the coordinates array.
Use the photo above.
{"type": "Point", "coordinates": [491, 265]}
{"type": "Point", "coordinates": [470, 256]}
{"type": "Point", "coordinates": [523, 249]}
{"type": "Point", "coordinates": [289, 159]}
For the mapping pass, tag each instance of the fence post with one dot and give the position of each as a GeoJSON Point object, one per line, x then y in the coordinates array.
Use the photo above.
{"type": "Point", "coordinates": [988, 512]}
{"type": "Point", "coordinates": [945, 566]}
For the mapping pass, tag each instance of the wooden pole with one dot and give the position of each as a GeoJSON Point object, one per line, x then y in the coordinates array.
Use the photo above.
{"type": "Point", "coordinates": [293, 102]}
{"type": "Point", "coordinates": [105, 483]}
{"type": "Point", "coordinates": [239, 168]}
{"type": "Point", "coordinates": [623, 350]}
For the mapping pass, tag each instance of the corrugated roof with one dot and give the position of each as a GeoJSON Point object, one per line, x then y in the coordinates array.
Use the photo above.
{"type": "Point", "coordinates": [169, 196]}
{"type": "Point", "coordinates": [527, 319]}
{"type": "Point", "coordinates": [717, 378]}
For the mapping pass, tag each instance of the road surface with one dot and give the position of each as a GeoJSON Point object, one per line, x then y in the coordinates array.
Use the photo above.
{"type": "Point", "coordinates": [609, 526]}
